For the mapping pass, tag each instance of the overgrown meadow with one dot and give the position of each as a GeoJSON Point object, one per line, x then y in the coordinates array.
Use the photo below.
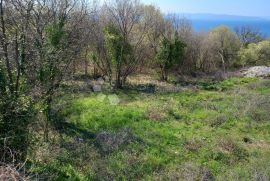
{"type": "Point", "coordinates": [218, 131]}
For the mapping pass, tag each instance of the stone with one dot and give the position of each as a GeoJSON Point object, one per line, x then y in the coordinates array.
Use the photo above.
{"type": "Point", "coordinates": [257, 71]}
{"type": "Point", "coordinates": [100, 81]}
{"type": "Point", "coordinates": [96, 88]}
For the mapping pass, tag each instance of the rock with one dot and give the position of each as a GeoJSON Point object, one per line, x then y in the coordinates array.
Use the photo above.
{"type": "Point", "coordinates": [106, 78]}
{"type": "Point", "coordinates": [100, 81]}
{"type": "Point", "coordinates": [83, 88]}
{"type": "Point", "coordinates": [258, 71]}
{"type": "Point", "coordinates": [149, 88]}
{"type": "Point", "coordinates": [96, 88]}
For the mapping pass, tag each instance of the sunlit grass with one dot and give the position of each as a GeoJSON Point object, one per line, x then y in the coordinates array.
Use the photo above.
{"type": "Point", "coordinates": [202, 129]}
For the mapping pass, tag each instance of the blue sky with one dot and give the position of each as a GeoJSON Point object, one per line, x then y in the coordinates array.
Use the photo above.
{"type": "Point", "coordinates": [260, 8]}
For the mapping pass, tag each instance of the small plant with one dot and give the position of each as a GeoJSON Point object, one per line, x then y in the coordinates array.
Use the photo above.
{"type": "Point", "coordinates": [218, 120]}
{"type": "Point", "coordinates": [175, 113]}
{"type": "Point", "coordinates": [228, 146]}
{"type": "Point", "coordinates": [193, 145]}
{"type": "Point", "coordinates": [240, 153]}
{"type": "Point", "coordinates": [108, 142]}
{"type": "Point", "coordinates": [260, 110]}
{"type": "Point", "coordinates": [156, 114]}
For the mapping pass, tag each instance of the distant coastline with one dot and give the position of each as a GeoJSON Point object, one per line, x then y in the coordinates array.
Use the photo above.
{"type": "Point", "coordinates": [205, 22]}
{"type": "Point", "coordinates": [205, 25]}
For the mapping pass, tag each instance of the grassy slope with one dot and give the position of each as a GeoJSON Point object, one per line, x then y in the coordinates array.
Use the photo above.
{"type": "Point", "coordinates": [179, 136]}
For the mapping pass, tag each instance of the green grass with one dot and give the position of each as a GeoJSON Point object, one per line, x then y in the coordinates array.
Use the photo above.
{"type": "Point", "coordinates": [196, 131]}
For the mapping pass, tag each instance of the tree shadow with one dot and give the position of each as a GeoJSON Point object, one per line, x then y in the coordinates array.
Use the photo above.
{"type": "Point", "coordinates": [62, 126]}
{"type": "Point", "coordinates": [144, 88]}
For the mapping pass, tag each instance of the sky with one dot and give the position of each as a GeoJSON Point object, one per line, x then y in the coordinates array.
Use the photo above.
{"type": "Point", "coordinates": [256, 8]}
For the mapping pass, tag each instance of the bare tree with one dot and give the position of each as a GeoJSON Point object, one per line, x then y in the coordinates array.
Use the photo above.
{"type": "Point", "coordinates": [224, 44]}
{"type": "Point", "coordinates": [193, 45]}
{"type": "Point", "coordinates": [248, 34]}
{"type": "Point", "coordinates": [129, 18]}
{"type": "Point", "coordinates": [156, 32]}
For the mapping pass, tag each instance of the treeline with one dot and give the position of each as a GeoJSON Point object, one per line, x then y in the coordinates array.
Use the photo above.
{"type": "Point", "coordinates": [44, 41]}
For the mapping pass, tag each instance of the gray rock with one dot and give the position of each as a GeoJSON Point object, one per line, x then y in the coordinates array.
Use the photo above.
{"type": "Point", "coordinates": [96, 88]}
{"type": "Point", "coordinates": [257, 71]}
{"type": "Point", "coordinates": [100, 81]}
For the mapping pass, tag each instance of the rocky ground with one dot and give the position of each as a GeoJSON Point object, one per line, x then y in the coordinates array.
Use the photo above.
{"type": "Point", "coordinates": [257, 71]}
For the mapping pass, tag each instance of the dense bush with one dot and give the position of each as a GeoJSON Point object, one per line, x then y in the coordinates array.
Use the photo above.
{"type": "Point", "coordinates": [170, 54]}
{"type": "Point", "coordinates": [16, 114]}
{"type": "Point", "coordinates": [255, 54]}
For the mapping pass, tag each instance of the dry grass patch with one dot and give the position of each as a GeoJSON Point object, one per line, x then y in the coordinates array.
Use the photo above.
{"type": "Point", "coordinates": [156, 114]}
{"type": "Point", "coordinates": [10, 173]}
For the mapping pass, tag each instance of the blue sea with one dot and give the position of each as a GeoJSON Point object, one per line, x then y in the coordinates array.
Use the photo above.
{"type": "Point", "coordinates": [204, 25]}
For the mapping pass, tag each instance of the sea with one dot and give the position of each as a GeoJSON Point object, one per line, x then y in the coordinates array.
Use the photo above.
{"type": "Point", "coordinates": [204, 25]}
{"type": "Point", "coordinates": [206, 22]}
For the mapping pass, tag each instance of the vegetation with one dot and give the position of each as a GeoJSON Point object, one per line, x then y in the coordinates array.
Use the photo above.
{"type": "Point", "coordinates": [120, 91]}
{"type": "Point", "coordinates": [170, 54]}
{"type": "Point", "coordinates": [164, 136]}
{"type": "Point", "coordinates": [255, 54]}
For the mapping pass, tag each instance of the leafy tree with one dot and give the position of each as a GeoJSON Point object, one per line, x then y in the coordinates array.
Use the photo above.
{"type": "Point", "coordinates": [15, 105]}
{"type": "Point", "coordinates": [224, 45]}
{"type": "Point", "coordinates": [170, 54]}
{"type": "Point", "coordinates": [255, 54]}
{"type": "Point", "coordinates": [132, 22]}
{"type": "Point", "coordinates": [192, 40]}
{"type": "Point", "coordinates": [156, 32]}
{"type": "Point", "coordinates": [120, 52]}
{"type": "Point", "coordinates": [2, 82]}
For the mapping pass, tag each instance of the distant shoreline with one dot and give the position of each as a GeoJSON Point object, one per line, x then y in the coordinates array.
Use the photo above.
{"type": "Point", "coordinates": [206, 22]}
{"type": "Point", "coordinates": [204, 25]}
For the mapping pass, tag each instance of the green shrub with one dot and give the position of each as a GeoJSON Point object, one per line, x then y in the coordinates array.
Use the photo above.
{"type": "Point", "coordinates": [16, 115]}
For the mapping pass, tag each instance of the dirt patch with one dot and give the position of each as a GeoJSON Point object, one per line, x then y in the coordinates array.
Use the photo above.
{"type": "Point", "coordinates": [156, 114]}
{"type": "Point", "coordinates": [108, 142]}
{"type": "Point", "coordinates": [259, 145]}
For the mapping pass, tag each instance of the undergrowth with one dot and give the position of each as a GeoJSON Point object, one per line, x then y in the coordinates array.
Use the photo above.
{"type": "Point", "coordinates": [213, 133]}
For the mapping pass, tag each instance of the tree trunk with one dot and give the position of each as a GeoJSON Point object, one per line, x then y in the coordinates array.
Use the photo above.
{"type": "Point", "coordinates": [48, 114]}
{"type": "Point", "coordinates": [85, 64]}
{"type": "Point", "coordinates": [164, 73]}
{"type": "Point", "coordinates": [5, 48]}
{"type": "Point", "coordinates": [223, 62]}
{"type": "Point", "coordinates": [73, 68]}
{"type": "Point", "coordinates": [118, 82]}
{"type": "Point", "coordinates": [18, 65]}
{"type": "Point", "coordinates": [85, 67]}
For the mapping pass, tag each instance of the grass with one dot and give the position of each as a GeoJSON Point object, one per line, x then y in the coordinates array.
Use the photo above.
{"type": "Point", "coordinates": [188, 135]}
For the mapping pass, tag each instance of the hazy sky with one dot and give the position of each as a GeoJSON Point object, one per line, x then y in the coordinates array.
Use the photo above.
{"type": "Point", "coordinates": [232, 7]}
